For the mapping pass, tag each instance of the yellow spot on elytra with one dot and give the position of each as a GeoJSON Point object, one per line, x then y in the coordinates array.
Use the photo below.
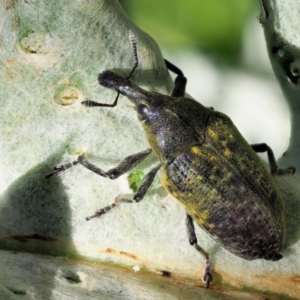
{"type": "Point", "coordinates": [202, 219]}
{"type": "Point", "coordinates": [174, 194]}
{"type": "Point", "coordinates": [181, 194]}
{"type": "Point", "coordinates": [212, 158]}
{"type": "Point", "coordinates": [199, 177]}
{"type": "Point", "coordinates": [227, 152]}
{"type": "Point", "coordinates": [212, 134]}
{"type": "Point", "coordinates": [227, 177]}
{"type": "Point", "coordinates": [165, 179]}
{"type": "Point", "coordinates": [196, 150]}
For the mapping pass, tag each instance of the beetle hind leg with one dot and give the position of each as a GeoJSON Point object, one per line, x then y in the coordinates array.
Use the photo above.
{"type": "Point", "coordinates": [207, 276]}
{"type": "Point", "coordinates": [259, 148]}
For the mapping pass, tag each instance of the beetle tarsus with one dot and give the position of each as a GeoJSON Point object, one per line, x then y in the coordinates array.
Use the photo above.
{"type": "Point", "coordinates": [290, 170]}
{"type": "Point", "coordinates": [263, 147]}
{"type": "Point", "coordinates": [207, 276]}
{"type": "Point", "coordinates": [60, 169]}
{"type": "Point", "coordinates": [100, 212]}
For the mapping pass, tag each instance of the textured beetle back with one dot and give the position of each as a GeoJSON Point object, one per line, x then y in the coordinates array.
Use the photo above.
{"type": "Point", "coordinates": [227, 191]}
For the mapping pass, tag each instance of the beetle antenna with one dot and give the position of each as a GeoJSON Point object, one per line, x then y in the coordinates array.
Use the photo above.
{"type": "Point", "coordinates": [91, 103]}
{"type": "Point", "coordinates": [132, 41]}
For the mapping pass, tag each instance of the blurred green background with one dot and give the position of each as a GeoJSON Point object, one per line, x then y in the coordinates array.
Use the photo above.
{"type": "Point", "coordinates": [213, 25]}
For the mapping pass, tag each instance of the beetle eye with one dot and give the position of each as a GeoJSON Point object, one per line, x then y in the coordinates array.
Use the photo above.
{"type": "Point", "coordinates": [144, 113]}
{"type": "Point", "coordinates": [142, 109]}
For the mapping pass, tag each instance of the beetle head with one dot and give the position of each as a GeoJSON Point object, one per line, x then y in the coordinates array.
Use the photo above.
{"type": "Point", "coordinates": [121, 84]}
{"type": "Point", "coordinates": [113, 81]}
{"type": "Point", "coordinates": [144, 101]}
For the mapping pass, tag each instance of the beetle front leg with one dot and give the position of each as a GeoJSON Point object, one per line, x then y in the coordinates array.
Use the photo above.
{"type": "Point", "coordinates": [207, 277]}
{"type": "Point", "coordinates": [126, 165]}
{"type": "Point", "coordinates": [259, 148]}
{"type": "Point", "coordinates": [180, 80]}
{"type": "Point", "coordinates": [138, 196]}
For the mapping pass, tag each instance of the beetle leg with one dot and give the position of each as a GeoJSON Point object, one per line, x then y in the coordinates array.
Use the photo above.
{"type": "Point", "coordinates": [207, 277]}
{"type": "Point", "coordinates": [145, 184]}
{"type": "Point", "coordinates": [126, 165]}
{"type": "Point", "coordinates": [138, 196]}
{"type": "Point", "coordinates": [180, 80]}
{"type": "Point", "coordinates": [192, 236]}
{"type": "Point", "coordinates": [271, 158]}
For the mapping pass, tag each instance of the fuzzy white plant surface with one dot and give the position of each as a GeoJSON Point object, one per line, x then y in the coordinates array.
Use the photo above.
{"type": "Point", "coordinates": [50, 55]}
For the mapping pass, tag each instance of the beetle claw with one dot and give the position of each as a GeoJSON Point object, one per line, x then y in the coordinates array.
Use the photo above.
{"type": "Point", "coordinates": [290, 170]}
{"type": "Point", "coordinates": [207, 277]}
{"type": "Point", "coordinates": [60, 169]}
{"type": "Point", "coordinates": [57, 171]}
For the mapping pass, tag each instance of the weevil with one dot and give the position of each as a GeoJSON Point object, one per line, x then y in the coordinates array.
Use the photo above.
{"type": "Point", "coordinates": [206, 164]}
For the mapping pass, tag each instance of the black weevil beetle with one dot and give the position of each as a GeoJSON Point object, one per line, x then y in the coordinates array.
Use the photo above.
{"type": "Point", "coordinates": [207, 165]}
